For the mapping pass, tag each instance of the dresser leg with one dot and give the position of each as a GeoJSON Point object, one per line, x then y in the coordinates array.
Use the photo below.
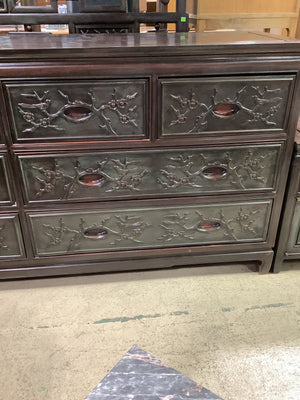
{"type": "Point", "coordinates": [278, 260]}
{"type": "Point", "coordinates": [266, 263]}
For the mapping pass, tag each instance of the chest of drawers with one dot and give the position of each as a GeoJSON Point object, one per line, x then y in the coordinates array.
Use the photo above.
{"type": "Point", "coordinates": [288, 243]}
{"type": "Point", "coordinates": [129, 152]}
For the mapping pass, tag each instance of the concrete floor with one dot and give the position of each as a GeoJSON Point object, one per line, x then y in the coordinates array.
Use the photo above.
{"type": "Point", "coordinates": [230, 329]}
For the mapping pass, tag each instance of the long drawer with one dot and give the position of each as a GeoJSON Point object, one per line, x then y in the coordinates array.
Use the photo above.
{"type": "Point", "coordinates": [6, 193]}
{"type": "Point", "coordinates": [196, 106]}
{"type": "Point", "coordinates": [149, 227]}
{"type": "Point", "coordinates": [156, 173]}
{"type": "Point", "coordinates": [11, 242]}
{"type": "Point", "coordinates": [79, 110]}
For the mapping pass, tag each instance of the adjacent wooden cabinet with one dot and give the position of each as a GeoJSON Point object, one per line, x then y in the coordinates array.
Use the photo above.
{"type": "Point", "coordinates": [242, 14]}
{"type": "Point", "coordinates": [288, 245]}
{"type": "Point", "coordinates": [140, 151]}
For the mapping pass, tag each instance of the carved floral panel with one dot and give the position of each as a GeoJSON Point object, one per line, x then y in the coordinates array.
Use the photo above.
{"type": "Point", "coordinates": [293, 241]}
{"type": "Point", "coordinates": [149, 173]}
{"type": "Point", "coordinates": [106, 109]}
{"type": "Point", "coordinates": [194, 106]}
{"type": "Point", "coordinates": [11, 243]}
{"type": "Point", "coordinates": [70, 233]}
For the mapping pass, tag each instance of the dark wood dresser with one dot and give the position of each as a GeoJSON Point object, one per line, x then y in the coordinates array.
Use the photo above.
{"type": "Point", "coordinates": [139, 151]}
{"type": "Point", "coordinates": [288, 247]}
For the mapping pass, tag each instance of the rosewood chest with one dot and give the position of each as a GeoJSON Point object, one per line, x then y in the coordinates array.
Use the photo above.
{"type": "Point", "coordinates": [288, 245]}
{"type": "Point", "coordinates": [139, 151]}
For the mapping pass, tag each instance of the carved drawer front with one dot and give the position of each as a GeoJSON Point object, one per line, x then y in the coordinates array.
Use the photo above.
{"type": "Point", "coordinates": [196, 106]}
{"type": "Point", "coordinates": [142, 228]}
{"type": "Point", "coordinates": [11, 243]}
{"type": "Point", "coordinates": [78, 110]}
{"type": "Point", "coordinates": [139, 174]}
{"type": "Point", "coordinates": [6, 196]}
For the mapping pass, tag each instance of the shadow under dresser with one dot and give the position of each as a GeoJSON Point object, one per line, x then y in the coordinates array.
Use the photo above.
{"type": "Point", "coordinates": [137, 151]}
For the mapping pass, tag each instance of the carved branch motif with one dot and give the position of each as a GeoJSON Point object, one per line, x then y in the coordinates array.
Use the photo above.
{"type": "Point", "coordinates": [189, 170]}
{"type": "Point", "coordinates": [129, 228]}
{"type": "Point", "coordinates": [226, 108]}
{"type": "Point", "coordinates": [178, 225]}
{"type": "Point", "coordinates": [118, 228]}
{"type": "Point", "coordinates": [129, 175]}
{"type": "Point", "coordinates": [116, 174]}
{"type": "Point", "coordinates": [3, 246]}
{"type": "Point", "coordinates": [37, 113]}
{"type": "Point", "coordinates": [87, 31]}
{"type": "Point", "coordinates": [50, 178]}
{"type": "Point", "coordinates": [181, 173]}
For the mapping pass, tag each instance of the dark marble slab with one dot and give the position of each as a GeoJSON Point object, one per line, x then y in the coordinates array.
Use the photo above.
{"type": "Point", "coordinates": [140, 376]}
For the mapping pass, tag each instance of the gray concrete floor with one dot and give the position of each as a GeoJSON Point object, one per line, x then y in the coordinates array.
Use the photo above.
{"type": "Point", "coordinates": [229, 329]}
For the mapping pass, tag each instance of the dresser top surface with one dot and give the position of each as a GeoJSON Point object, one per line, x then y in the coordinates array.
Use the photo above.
{"type": "Point", "coordinates": [145, 44]}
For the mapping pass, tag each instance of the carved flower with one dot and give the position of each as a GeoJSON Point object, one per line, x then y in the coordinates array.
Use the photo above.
{"type": "Point", "coordinates": [121, 103]}
{"type": "Point", "coordinates": [48, 187]}
{"type": "Point", "coordinates": [136, 180]}
{"type": "Point", "coordinates": [172, 178]}
{"type": "Point", "coordinates": [48, 174]}
{"type": "Point", "coordinates": [184, 181]}
{"type": "Point", "coordinates": [181, 119]}
{"type": "Point", "coordinates": [184, 102]}
{"type": "Point", "coordinates": [257, 117]}
{"type": "Point", "coordinates": [124, 119]}
{"type": "Point", "coordinates": [58, 174]}
{"type": "Point", "coordinates": [44, 122]}
{"type": "Point", "coordinates": [28, 116]}
{"type": "Point", "coordinates": [273, 110]}
{"type": "Point", "coordinates": [113, 105]}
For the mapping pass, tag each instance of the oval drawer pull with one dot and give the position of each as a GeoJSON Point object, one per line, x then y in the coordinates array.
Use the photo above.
{"type": "Point", "coordinates": [214, 172]}
{"type": "Point", "coordinates": [77, 113]}
{"type": "Point", "coordinates": [91, 179]}
{"type": "Point", "coordinates": [226, 110]}
{"type": "Point", "coordinates": [209, 226]}
{"type": "Point", "coordinates": [95, 233]}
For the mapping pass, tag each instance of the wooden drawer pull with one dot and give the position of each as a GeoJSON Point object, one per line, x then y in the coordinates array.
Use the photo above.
{"type": "Point", "coordinates": [209, 226]}
{"type": "Point", "coordinates": [95, 233]}
{"type": "Point", "coordinates": [77, 113]}
{"type": "Point", "coordinates": [91, 179]}
{"type": "Point", "coordinates": [214, 172]}
{"type": "Point", "coordinates": [226, 110]}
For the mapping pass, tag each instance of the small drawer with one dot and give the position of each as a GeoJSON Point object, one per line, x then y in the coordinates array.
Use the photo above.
{"type": "Point", "coordinates": [11, 242]}
{"type": "Point", "coordinates": [151, 173]}
{"type": "Point", "coordinates": [196, 106]}
{"type": "Point", "coordinates": [6, 194]}
{"type": "Point", "coordinates": [78, 110]}
{"type": "Point", "coordinates": [154, 227]}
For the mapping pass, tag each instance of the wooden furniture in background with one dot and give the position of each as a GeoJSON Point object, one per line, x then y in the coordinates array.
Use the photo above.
{"type": "Point", "coordinates": [89, 18]}
{"type": "Point", "coordinates": [143, 150]}
{"type": "Point", "coordinates": [297, 35]}
{"type": "Point", "coordinates": [244, 14]}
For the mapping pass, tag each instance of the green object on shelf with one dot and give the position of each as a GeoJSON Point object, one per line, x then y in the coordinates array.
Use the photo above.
{"type": "Point", "coordinates": [183, 19]}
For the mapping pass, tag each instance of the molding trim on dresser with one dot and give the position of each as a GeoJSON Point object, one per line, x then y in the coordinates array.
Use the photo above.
{"type": "Point", "coordinates": [143, 150]}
